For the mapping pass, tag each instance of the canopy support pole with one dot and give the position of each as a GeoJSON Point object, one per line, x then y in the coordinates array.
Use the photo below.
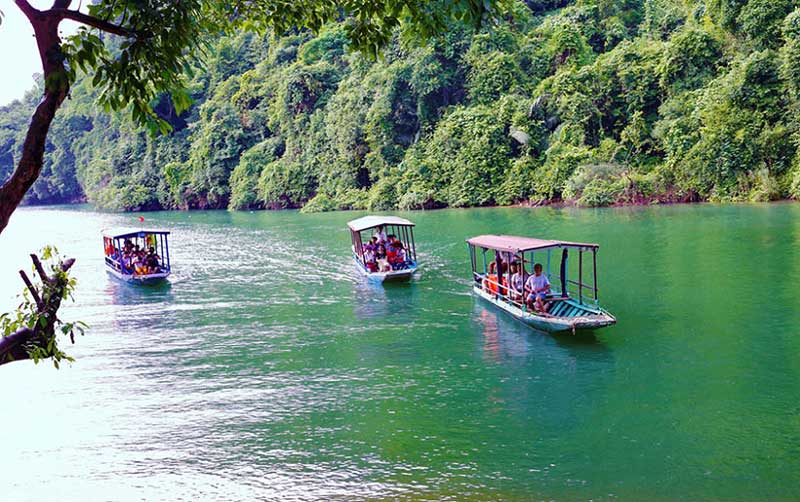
{"type": "Point", "coordinates": [580, 276]}
{"type": "Point", "coordinates": [498, 270]}
{"type": "Point", "coordinates": [549, 275]}
{"type": "Point", "coordinates": [413, 245]}
{"type": "Point", "coordinates": [594, 260]}
{"type": "Point", "coordinates": [472, 261]}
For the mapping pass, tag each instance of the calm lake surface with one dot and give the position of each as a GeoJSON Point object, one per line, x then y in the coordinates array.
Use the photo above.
{"type": "Point", "coordinates": [268, 370]}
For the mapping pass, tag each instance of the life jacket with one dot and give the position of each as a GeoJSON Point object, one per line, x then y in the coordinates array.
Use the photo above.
{"type": "Point", "coordinates": [490, 284]}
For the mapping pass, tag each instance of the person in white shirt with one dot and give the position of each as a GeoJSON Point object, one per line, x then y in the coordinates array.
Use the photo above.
{"type": "Point", "coordinates": [381, 235]}
{"type": "Point", "coordinates": [517, 283]}
{"type": "Point", "coordinates": [537, 287]}
{"type": "Point", "coordinates": [369, 260]}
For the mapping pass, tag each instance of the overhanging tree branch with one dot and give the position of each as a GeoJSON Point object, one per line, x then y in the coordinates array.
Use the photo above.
{"type": "Point", "coordinates": [32, 289]}
{"type": "Point", "coordinates": [92, 21]}
{"type": "Point", "coordinates": [18, 345]}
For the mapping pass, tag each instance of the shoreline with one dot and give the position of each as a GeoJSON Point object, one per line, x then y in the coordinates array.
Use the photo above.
{"type": "Point", "coordinates": [555, 204]}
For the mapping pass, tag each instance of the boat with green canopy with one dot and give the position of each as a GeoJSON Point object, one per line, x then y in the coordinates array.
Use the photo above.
{"type": "Point", "coordinates": [571, 304]}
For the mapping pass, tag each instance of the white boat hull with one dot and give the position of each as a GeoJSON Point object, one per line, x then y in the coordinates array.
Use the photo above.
{"type": "Point", "coordinates": [145, 279]}
{"type": "Point", "coordinates": [403, 275]}
{"type": "Point", "coordinates": [551, 324]}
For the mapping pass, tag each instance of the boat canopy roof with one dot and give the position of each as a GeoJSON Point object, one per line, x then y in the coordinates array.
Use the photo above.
{"type": "Point", "coordinates": [515, 244]}
{"type": "Point", "coordinates": [121, 233]}
{"type": "Point", "coordinates": [367, 222]}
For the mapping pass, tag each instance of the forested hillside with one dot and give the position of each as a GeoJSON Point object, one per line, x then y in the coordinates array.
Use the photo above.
{"type": "Point", "coordinates": [596, 102]}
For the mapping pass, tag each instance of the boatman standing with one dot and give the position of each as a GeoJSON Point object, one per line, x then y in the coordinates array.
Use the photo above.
{"type": "Point", "coordinates": [381, 235]}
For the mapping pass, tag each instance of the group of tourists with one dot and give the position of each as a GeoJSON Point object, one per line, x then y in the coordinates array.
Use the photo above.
{"type": "Point", "coordinates": [384, 253]}
{"type": "Point", "coordinates": [528, 290]}
{"type": "Point", "coordinates": [133, 259]}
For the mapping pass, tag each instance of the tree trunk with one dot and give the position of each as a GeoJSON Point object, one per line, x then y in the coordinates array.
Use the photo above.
{"type": "Point", "coordinates": [56, 87]}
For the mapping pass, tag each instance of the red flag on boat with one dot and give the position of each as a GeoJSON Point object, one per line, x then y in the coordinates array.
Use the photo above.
{"type": "Point", "coordinates": [141, 219]}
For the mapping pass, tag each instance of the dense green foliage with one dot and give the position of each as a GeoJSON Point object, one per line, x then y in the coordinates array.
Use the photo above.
{"type": "Point", "coordinates": [591, 101]}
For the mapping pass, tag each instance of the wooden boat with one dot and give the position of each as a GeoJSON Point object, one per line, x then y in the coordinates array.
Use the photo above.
{"type": "Point", "coordinates": [115, 243]}
{"type": "Point", "coordinates": [390, 225]}
{"type": "Point", "coordinates": [568, 309]}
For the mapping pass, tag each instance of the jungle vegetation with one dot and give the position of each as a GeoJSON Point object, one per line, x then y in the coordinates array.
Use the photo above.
{"type": "Point", "coordinates": [594, 102]}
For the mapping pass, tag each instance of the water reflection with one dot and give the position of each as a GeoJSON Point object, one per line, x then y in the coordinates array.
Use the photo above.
{"type": "Point", "coordinates": [373, 300]}
{"type": "Point", "coordinates": [502, 340]}
{"type": "Point", "coordinates": [125, 294]}
{"type": "Point", "coordinates": [551, 381]}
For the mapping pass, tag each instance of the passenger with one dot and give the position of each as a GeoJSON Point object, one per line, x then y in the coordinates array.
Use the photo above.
{"type": "Point", "coordinates": [400, 260]}
{"type": "Point", "coordinates": [152, 260]}
{"type": "Point", "coordinates": [537, 286]}
{"type": "Point", "coordinates": [138, 265]}
{"type": "Point", "coordinates": [391, 249]}
{"type": "Point", "coordinates": [493, 265]}
{"type": "Point", "coordinates": [517, 283]}
{"type": "Point", "coordinates": [382, 261]}
{"type": "Point", "coordinates": [380, 235]}
{"type": "Point", "coordinates": [369, 260]}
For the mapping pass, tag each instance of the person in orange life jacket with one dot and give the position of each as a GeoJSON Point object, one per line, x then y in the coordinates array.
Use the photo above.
{"type": "Point", "coordinates": [490, 283]}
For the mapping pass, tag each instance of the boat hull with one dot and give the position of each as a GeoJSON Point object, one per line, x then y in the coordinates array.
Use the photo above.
{"type": "Point", "coordinates": [598, 318]}
{"type": "Point", "coordinates": [141, 280]}
{"type": "Point", "coordinates": [404, 275]}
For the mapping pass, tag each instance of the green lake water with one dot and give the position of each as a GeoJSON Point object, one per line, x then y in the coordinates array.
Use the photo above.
{"type": "Point", "coordinates": [269, 370]}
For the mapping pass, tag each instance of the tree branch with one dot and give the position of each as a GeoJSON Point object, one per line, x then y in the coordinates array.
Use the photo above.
{"type": "Point", "coordinates": [61, 4]}
{"type": "Point", "coordinates": [34, 293]}
{"type": "Point", "coordinates": [40, 269]}
{"type": "Point", "coordinates": [67, 264]}
{"type": "Point", "coordinates": [12, 347]}
{"type": "Point", "coordinates": [92, 21]}
{"type": "Point", "coordinates": [16, 346]}
{"type": "Point", "coordinates": [26, 8]}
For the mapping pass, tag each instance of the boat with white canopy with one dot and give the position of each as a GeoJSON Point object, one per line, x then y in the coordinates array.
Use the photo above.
{"type": "Point", "coordinates": [398, 260]}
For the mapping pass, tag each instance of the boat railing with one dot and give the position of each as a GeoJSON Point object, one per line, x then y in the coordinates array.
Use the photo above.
{"type": "Point", "coordinates": [116, 265]}
{"type": "Point", "coordinates": [579, 291]}
{"type": "Point", "coordinates": [113, 263]}
{"type": "Point", "coordinates": [481, 279]}
{"type": "Point", "coordinates": [501, 290]}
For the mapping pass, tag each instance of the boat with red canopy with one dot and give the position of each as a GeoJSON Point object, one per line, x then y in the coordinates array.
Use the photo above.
{"type": "Point", "coordinates": [570, 304]}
